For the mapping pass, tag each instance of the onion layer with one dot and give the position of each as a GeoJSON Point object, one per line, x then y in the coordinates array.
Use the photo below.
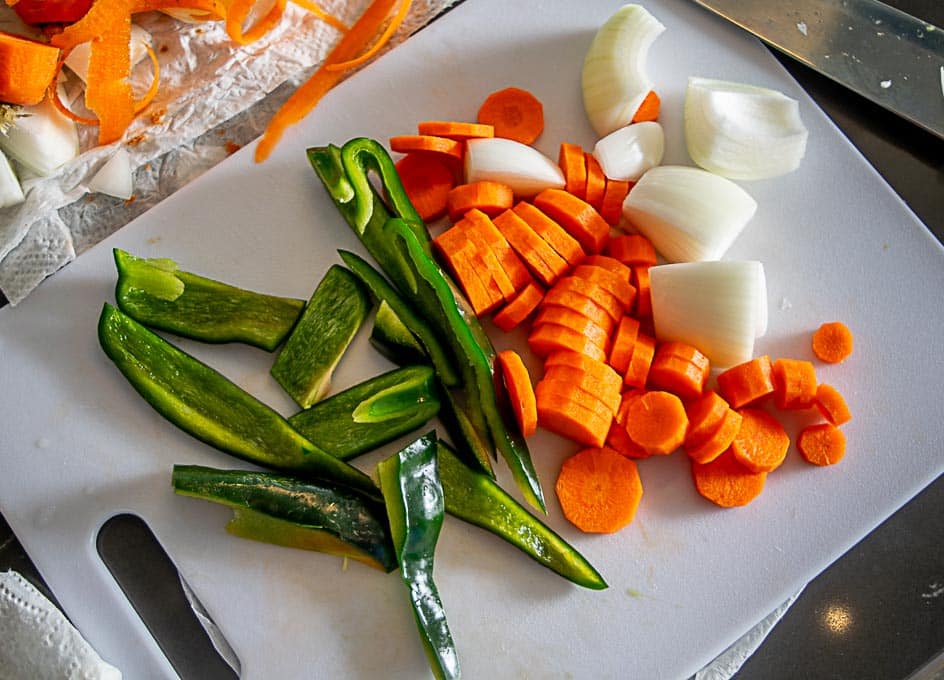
{"type": "Point", "coordinates": [115, 177]}
{"type": "Point", "coordinates": [42, 139]}
{"type": "Point", "coordinates": [627, 153]}
{"type": "Point", "coordinates": [525, 169]}
{"type": "Point", "coordinates": [11, 192]}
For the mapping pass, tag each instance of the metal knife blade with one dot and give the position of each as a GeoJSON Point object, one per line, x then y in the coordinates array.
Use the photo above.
{"type": "Point", "coordinates": [886, 55]}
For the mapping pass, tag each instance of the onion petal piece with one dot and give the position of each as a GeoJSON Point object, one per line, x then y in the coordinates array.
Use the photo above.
{"type": "Point", "coordinates": [42, 139]}
{"type": "Point", "coordinates": [614, 79]}
{"type": "Point", "coordinates": [523, 168]}
{"type": "Point", "coordinates": [742, 131]}
{"type": "Point", "coordinates": [625, 154]}
{"type": "Point", "coordinates": [115, 177]}
{"type": "Point", "coordinates": [689, 214]}
{"type": "Point", "coordinates": [715, 306]}
{"type": "Point", "coordinates": [11, 192]}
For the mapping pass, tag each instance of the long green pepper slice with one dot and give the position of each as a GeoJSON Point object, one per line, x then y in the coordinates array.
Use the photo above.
{"type": "Point", "coordinates": [414, 498]}
{"type": "Point", "coordinates": [205, 404]}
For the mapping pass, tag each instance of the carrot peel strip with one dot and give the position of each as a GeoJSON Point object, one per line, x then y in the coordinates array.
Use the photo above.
{"type": "Point", "coordinates": [239, 10]}
{"type": "Point", "coordinates": [394, 24]}
{"type": "Point", "coordinates": [326, 17]}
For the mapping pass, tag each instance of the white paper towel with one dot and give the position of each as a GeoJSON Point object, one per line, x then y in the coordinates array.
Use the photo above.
{"type": "Point", "coordinates": [38, 642]}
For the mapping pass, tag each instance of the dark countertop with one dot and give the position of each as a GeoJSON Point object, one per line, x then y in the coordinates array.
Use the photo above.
{"type": "Point", "coordinates": [878, 611]}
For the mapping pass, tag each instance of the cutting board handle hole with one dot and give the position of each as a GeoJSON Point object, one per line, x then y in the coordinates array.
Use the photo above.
{"type": "Point", "coordinates": [150, 581]}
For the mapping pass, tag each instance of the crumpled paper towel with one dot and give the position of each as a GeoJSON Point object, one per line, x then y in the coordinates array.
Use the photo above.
{"type": "Point", "coordinates": [38, 642]}
{"type": "Point", "coordinates": [206, 81]}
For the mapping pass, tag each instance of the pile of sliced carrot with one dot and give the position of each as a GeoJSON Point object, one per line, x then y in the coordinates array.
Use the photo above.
{"type": "Point", "coordinates": [551, 265]}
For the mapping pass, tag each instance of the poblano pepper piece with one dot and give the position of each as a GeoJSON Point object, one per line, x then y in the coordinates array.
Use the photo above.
{"type": "Point", "coordinates": [158, 294]}
{"type": "Point", "coordinates": [393, 339]}
{"type": "Point", "coordinates": [205, 404]}
{"type": "Point", "coordinates": [414, 498]}
{"type": "Point", "coordinates": [295, 513]}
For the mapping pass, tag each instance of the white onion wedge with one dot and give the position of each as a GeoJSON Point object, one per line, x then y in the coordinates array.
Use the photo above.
{"type": "Point", "coordinates": [625, 154]}
{"type": "Point", "coordinates": [42, 139]}
{"type": "Point", "coordinates": [78, 58]}
{"type": "Point", "coordinates": [689, 214]}
{"type": "Point", "coordinates": [741, 131]}
{"type": "Point", "coordinates": [715, 306]}
{"type": "Point", "coordinates": [11, 192]}
{"type": "Point", "coordinates": [525, 169]}
{"type": "Point", "coordinates": [614, 79]}
{"type": "Point", "coordinates": [115, 177]}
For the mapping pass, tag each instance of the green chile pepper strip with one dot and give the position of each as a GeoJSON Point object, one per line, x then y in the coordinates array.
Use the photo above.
{"type": "Point", "coordinates": [414, 498]}
{"type": "Point", "coordinates": [295, 513]}
{"type": "Point", "coordinates": [158, 294]}
{"type": "Point", "coordinates": [205, 404]}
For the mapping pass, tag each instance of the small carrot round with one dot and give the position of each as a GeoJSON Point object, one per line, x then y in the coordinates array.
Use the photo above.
{"type": "Point", "coordinates": [794, 383]}
{"type": "Point", "coordinates": [830, 402]}
{"type": "Point", "coordinates": [581, 286]}
{"type": "Point", "coordinates": [557, 237]}
{"type": "Point", "coordinates": [519, 308]}
{"type": "Point", "coordinates": [605, 387]}
{"type": "Point", "coordinates": [747, 382]}
{"type": "Point", "coordinates": [492, 198]}
{"type": "Point", "coordinates": [599, 490]}
{"type": "Point", "coordinates": [453, 129]}
{"type": "Point", "coordinates": [637, 372]}
{"type": "Point", "coordinates": [643, 291]}
{"type": "Point", "coordinates": [704, 417]}
{"type": "Point", "coordinates": [649, 109]}
{"type": "Point", "coordinates": [631, 249]}
{"type": "Point", "coordinates": [580, 219]}
{"type": "Point", "coordinates": [551, 337]}
{"type": "Point", "coordinates": [719, 440]}
{"type": "Point", "coordinates": [557, 297]}
{"type": "Point", "coordinates": [611, 207]}
{"type": "Point", "coordinates": [427, 181]}
{"type": "Point", "coordinates": [761, 443]}
{"type": "Point", "coordinates": [514, 114]}
{"type": "Point", "coordinates": [657, 422]}
{"type": "Point", "coordinates": [822, 444]}
{"type": "Point", "coordinates": [593, 367]}
{"type": "Point", "coordinates": [571, 161]}
{"type": "Point", "coordinates": [609, 281]}
{"type": "Point", "coordinates": [623, 342]}
{"type": "Point", "coordinates": [510, 262]}
{"type": "Point", "coordinates": [725, 482]}
{"type": "Point", "coordinates": [562, 413]}
{"type": "Point", "coordinates": [538, 256]}
{"type": "Point", "coordinates": [576, 321]}
{"type": "Point", "coordinates": [679, 368]}
{"type": "Point", "coordinates": [596, 181]}
{"type": "Point", "coordinates": [832, 342]}
{"type": "Point", "coordinates": [520, 391]}
{"type": "Point", "coordinates": [448, 148]}
{"type": "Point", "coordinates": [618, 440]}
{"type": "Point", "coordinates": [610, 264]}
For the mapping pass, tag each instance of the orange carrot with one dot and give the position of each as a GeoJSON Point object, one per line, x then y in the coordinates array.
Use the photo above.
{"type": "Point", "coordinates": [556, 236]}
{"type": "Point", "coordinates": [572, 164]}
{"type": "Point", "coordinates": [329, 19]}
{"type": "Point", "coordinates": [519, 308]}
{"type": "Point", "coordinates": [374, 49]}
{"type": "Point", "coordinates": [609, 281]}
{"type": "Point", "coordinates": [449, 148]}
{"type": "Point", "coordinates": [454, 129]}
{"type": "Point", "coordinates": [718, 441]}
{"type": "Point", "coordinates": [605, 387]}
{"type": "Point", "coordinates": [27, 68]}
{"type": "Point", "coordinates": [576, 216]}
{"type": "Point", "coordinates": [237, 13]}
{"type": "Point", "coordinates": [551, 337]}
{"type": "Point", "coordinates": [747, 382]}
{"type": "Point", "coordinates": [643, 291]}
{"type": "Point", "coordinates": [830, 402]}
{"type": "Point", "coordinates": [679, 368]}
{"type": "Point", "coordinates": [492, 271]}
{"type": "Point", "coordinates": [631, 249]}
{"type": "Point", "coordinates": [610, 264]}
{"type": "Point", "coordinates": [458, 253]}
{"type": "Point", "coordinates": [794, 383]}
{"type": "Point", "coordinates": [623, 342]}
{"type": "Point", "coordinates": [307, 96]}
{"type": "Point", "coordinates": [518, 383]}
{"type": "Point", "coordinates": [761, 443]}
{"type": "Point", "coordinates": [513, 266]}
{"type": "Point", "coordinates": [559, 413]}
{"type": "Point", "coordinates": [649, 109]}
{"type": "Point", "coordinates": [542, 260]}
{"type": "Point", "coordinates": [832, 342]}
{"type": "Point", "coordinates": [427, 181]}
{"type": "Point", "coordinates": [595, 292]}
{"type": "Point", "coordinates": [704, 417]}
{"type": "Point", "coordinates": [492, 198]}
{"type": "Point", "coordinates": [822, 444]}
{"type": "Point", "coordinates": [599, 490]}
{"type": "Point", "coordinates": [514, 114]}
{"type": "Point", "coordinates": [618, 440]}
{"type": "Point", "coordinates": [596, 181]}
{"type": "Point", "coordinates": [611, 207]}
{"type": "Point", "coordinates": [638, 370]}
{"type": "Point", "coordinates": [725, 482]}
{"type": "Point", "coordinates": [575, 321]}
{"type": "Point", "coordinates": [657, 422]}
{"type": "Point", "coordinates": [593, 367]}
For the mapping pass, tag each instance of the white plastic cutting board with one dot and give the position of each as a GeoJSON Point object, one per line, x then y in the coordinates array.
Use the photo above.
{"type": "Point", "coordinates": [686, 578]}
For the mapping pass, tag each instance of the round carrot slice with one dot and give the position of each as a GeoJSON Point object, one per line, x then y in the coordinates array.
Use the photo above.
{"type": "Point", "coordinates": [599, 490]}
{"type": "Point", "coordinates": [725, 482]}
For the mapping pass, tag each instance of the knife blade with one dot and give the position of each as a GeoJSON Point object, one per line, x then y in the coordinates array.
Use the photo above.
{"type": "Point", "coordinates": [883, 54]}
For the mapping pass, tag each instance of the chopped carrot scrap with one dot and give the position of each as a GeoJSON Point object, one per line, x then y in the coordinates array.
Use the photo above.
{"type": "Point", "coordinates": [822, 444]}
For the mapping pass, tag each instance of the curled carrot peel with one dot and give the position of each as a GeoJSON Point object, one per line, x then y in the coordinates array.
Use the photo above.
{"type": "Point", "coordinates": [326, 17]}
{"type": "Point", "coordinates": [239, 10]}
{"type": "Point", "coordinates": [392, 27]}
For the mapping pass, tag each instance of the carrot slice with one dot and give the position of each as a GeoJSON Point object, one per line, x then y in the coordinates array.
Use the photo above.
{"type": "Point", "coordinates": [519, 308]}
{"type": "Point", "coordinates": [581, 304]}
{"type": "Point", "coordinates": [761, 443]}
{"type": "Point", "coordinates": [725, 482]}
{"type": "Point", "coordinates": [520, 391]}
{"type": "Point", "coordinates": [568, 418]}
{"type": "Point", "coordinates": [599, 490]}
{"type": "Point", "coordinates": [718, 441]}
{"type": "Point", "coordinates": [427, 181]}
{"type": "Point", "coordinates": [631, 249]}
{"type": "Point", "coordinates": [575, 321]}
{"type": "Point", "coordinates": [459, 255]}
{"type": "Point", "coordinates": [747, 382]}
{"type": "Point", "coordinates": [451, 129]}
{"type": "Point", "coordinates": [832, 342]}
{"type": "Point", "coordinates": [593, 367]}
{"type": "Point", "coordinates": [596, 181]}
{"type": "Point", "coordinates": [619, 440]}
{"type": "Point", "coordinates": [550, 337]}
{"type": "Point", "coordinates": [679, 368]}
{"type": "Point", "coordinates": [657, 422]}
{"type": "Point", "coordinates": [830, 402]}
{"type": "Point", "coordinates": [492, 271]}
{"type": "Point", "coordinates": [542, 260]}
{"type": "Point", "coordinates": [610, 264]}
{"type": "Point", "coordinates": [27, 67]}
{"type": "Point", "coordinates": [571, 161]}
{"type": "Point", "coordinates": [492, 198]}
{"type": "Point", "coordinates": [637, 372]}
{"type": "Point", "coordinates": [794, 383]}
{"type": "Point", "coordinates": [557, 237]}
{"type": "Point", "coordinates": [606, 389]}
{"type": "Point", "coordinates": [643, 291]}
{"type": "Point", "coordinates": [613, 283]}
{"type": "Point", "coordinates": [649, 109]}
{"type": "Point", "coordinates": [510, 262]}
{"type": "Point", "coordinates": [449, 148]}
{"type": "Point", "coordinates": [704, 417]}
{"type": "Point", "coordinates": [514, 114]}
{"type": "Point", "coordinates": [623, 342]}
{"type": "Point", "coordinates": [822, 444]}
{"type": "Point", "coordinates": [578, 218]}
{"type": "Point", "coordinates": [594, 291]}
{"type": "Point", "coordinates": [611, 207]}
